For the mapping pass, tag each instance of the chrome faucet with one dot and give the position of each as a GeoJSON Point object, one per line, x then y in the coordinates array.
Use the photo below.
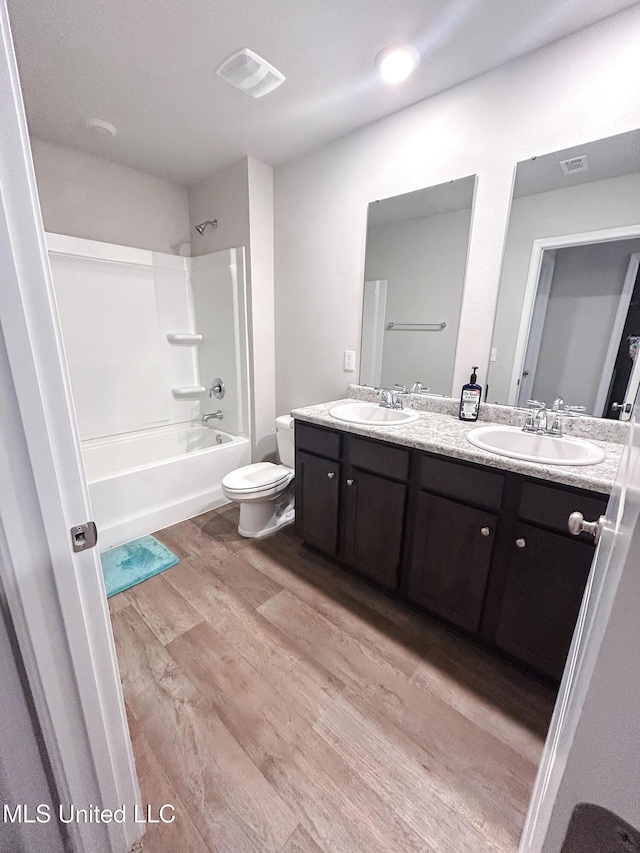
{"type": "Point", "coordinates": [392, 399]}
{"type": "Point", "coordinates": [385, 398]}
{"type": "Point", "coordinates": [211, 415]}
{"type": "Point", "coordinates": [538, 417]}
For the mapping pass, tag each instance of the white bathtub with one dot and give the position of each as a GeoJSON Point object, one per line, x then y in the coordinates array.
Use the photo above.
{"type": "Point", "coordinates": [141, 482]}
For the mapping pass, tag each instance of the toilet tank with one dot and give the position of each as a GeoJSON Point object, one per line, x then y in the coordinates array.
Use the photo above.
{"type": "Point", "coordinates": [284, 438]}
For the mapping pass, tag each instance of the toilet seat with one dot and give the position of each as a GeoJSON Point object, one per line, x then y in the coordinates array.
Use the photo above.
{"type": "Point", "coordinates": [256, 478]}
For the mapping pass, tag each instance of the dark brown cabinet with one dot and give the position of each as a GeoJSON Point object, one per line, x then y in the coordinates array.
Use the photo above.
{"type": "Point", "coordinates": [487, 550]}
{"type": "Point", "coordinates": [546, 577]}
{"type": "Point", "coordinates": [450, 560]}
{"type": "Point", "coordinates": [317, 491]}
{"type": "Point", "coordinates": [352, 510]}
{"type": "Point", "coordinates": [374, 524]}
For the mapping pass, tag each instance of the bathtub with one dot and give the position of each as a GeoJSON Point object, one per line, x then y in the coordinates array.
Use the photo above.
{"type": "Point", "coordinates": [141, 482]}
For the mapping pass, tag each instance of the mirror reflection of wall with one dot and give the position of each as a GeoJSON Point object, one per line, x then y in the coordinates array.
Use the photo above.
{"type": "Point", "coordinates": [568, 292]}
{"type": "Point", "coordinates": [415, 261]}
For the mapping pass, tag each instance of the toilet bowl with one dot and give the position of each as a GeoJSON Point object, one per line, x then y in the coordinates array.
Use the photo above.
{"type": "Point", "coordinates": [264, 490]}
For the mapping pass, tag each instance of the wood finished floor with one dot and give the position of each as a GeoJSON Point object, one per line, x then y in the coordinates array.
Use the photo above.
{"type": "Point", "coordinates": [283, 705]}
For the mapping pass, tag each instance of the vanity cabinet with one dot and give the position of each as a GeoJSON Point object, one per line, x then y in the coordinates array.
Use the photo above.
{"type": "Point", "coordinates": [546, 577]}
{"type": "Point", "coordinates": [486, 550]}
{"type": "Point", "coordinates": [450, 559]}
{"type": "Point", "coordinates": [455, 528]}
{"type": "Point", "coordinates": [546, 573]}
{"type": "Point", "coordinates": [375, 502]}
{"type": "Point", "coordinates": [352, 509]}
{"type": "Point", "coordinates": [317, 490]}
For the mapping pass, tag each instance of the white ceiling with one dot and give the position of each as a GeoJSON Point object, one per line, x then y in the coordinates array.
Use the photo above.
{"type": "Point", "coordinates": [148, 67]}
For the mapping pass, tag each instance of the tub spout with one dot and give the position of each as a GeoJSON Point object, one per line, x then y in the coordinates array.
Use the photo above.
{"type": "Point", "coordinates": [219, 415]}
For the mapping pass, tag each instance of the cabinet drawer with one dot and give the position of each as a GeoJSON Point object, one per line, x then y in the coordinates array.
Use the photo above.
{"type": "Point", "coordinates": [379, 458]}
{"type": "Point", "coordinates": [323, 442]}
{"type": "Point", "coordinates": [552, 507]}
{"type": "Point", "coordinates": [470, 485]}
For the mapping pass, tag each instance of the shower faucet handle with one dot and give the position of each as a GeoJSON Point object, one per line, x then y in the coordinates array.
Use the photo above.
{"type": "Point", "coordinates": [217, 389]}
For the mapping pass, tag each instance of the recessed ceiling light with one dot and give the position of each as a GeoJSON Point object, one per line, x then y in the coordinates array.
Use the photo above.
{"type": "Point", "coordinates": [99, 127]}
{"type": "Point", "coordinates": [396, 62]}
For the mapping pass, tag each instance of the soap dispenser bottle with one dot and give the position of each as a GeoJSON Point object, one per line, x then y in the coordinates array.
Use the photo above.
{"type": "Point", "coordinates": [470, 399]}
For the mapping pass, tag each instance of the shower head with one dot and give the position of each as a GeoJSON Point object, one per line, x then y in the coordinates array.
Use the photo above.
{"type": "Point", "coordinates": [201, 228]}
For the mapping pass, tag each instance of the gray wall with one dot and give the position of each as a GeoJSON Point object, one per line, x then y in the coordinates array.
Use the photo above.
{"type": "Point", "coordinates": [240, 197]}
{"type": "Point", "coordinates": [86, 196]}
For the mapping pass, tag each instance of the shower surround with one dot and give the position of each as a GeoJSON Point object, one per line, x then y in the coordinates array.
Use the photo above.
{"type": "Point", "coordinates": [145, 335]}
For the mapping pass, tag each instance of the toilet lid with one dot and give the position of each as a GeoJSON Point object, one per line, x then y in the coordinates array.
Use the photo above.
{"type": "Point", "coordinates": [260, 475]}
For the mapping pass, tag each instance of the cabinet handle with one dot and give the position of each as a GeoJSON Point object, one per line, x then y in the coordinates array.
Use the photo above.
{"type": "Point", "coordinates": [520, 543]}
{"type": "Point", "coordinates": [331, 475]}
{"type": "Point", "coordinates": [349, 482]}
{"type": "Point", "coordinates": [485, 531]}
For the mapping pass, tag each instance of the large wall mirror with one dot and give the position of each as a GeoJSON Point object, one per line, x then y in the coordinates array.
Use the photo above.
{"type": "Point", "coordinates": [568, 315]}
{"type": "Point", "coordinates": [415, 262]}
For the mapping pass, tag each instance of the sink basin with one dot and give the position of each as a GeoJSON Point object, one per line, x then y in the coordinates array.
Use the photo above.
{"type": "Point", "coordinates": [373, 414]}
{"type": "Point", "coordinates": [548, 449]}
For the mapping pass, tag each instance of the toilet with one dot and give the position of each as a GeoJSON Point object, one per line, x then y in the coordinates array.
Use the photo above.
{"type": "Point", "coordinates": [264, 490]}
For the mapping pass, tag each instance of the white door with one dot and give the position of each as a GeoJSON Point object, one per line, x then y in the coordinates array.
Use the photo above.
{"type": "Point", "coordinates": [592, 753]}
{"type": "Point", "coordinates": [55, 595]}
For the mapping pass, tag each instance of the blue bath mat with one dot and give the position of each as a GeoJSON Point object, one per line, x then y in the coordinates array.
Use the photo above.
{"type": "Point", "coordinates": [134, 562]}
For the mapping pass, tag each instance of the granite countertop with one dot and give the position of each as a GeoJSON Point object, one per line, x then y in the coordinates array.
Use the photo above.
{"type": "Point", "coordinates": [442, 433]}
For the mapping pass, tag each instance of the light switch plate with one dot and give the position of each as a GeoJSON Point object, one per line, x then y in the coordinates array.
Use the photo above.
{"type": "Point", "coordinates": [349, 360]}
{"type": "Point", "coordinates": [494, 354]}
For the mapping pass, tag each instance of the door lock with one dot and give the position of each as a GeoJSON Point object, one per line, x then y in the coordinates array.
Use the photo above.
{"type": "Point", "coordinates": [84, 536]}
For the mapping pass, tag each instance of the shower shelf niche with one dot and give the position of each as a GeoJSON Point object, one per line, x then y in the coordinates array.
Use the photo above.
{"type": "Point", "coordinates": [184, 392]}
{"type": "Point", "coordinates": [184, 338]}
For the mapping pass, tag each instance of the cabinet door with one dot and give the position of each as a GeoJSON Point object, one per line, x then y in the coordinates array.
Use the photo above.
{"type": "Point", "coordinates": [317, 490]}
{"type": "Point", "coordinates": [546, 578]}
{"type": "Point", "coordinates": [374, 525]}
{"type": "Point", "coordinates": [450, 561]}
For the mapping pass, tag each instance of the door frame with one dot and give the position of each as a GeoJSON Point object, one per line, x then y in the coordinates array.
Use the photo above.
{"type": "Point", "coordinates": [538, 316]}
{"type": "Point", "coordinates": [614, 343]}
{"type": "Point", "coordinates": [616, 334]}
{"type": "Point", "coordinates": [55, 596]}
{"type": "Point", "coordinates": [538, 248]}
{"type": "Point", "coordinates": [372, 334]}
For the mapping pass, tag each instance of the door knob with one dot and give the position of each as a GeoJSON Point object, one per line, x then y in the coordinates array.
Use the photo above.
{"type": "Point", "coordinates": [485, 531]}
{"type": "Point", "coordinates": [349, 482]}
{"type": "Point", "coordinates": [520, 543]}
{"type": "Point", "coordinates": [621, 407]}
{"type": "Point", "coordinates": [578, 525]}
{"type": "Point", "coordinates": [331, 475]}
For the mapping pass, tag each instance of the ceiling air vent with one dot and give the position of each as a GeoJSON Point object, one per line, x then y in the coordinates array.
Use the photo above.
{"type": "Point", "coordinates": [575, 164]}
{"type": "Point", "coordinates": [250, 73]}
